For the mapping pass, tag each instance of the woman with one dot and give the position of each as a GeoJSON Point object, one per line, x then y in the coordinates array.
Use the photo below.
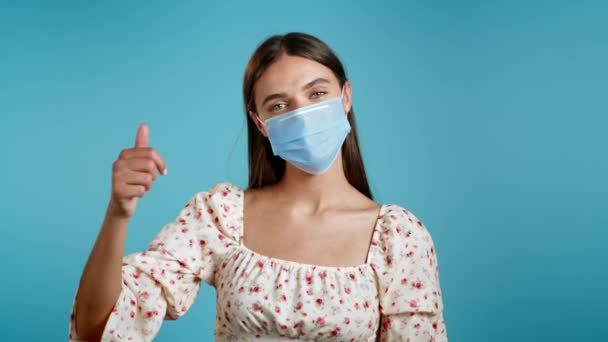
{"type": "Point", "coordinates": [303, 253]}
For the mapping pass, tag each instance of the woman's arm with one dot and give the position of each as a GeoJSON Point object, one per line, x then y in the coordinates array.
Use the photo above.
{"type": "Point", "coordinates": [100, 283]}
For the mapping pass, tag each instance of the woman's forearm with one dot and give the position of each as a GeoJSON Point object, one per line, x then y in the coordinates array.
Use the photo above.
{"type": "Point", "coordinates": [101, 280]}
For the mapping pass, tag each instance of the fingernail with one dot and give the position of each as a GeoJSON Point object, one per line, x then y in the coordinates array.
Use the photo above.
{"type": "Point", "coordinates": [165, 172]}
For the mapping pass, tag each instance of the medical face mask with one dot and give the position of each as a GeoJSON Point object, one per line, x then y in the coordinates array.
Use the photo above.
{"type": "Point", "coordinates": [310, 137]}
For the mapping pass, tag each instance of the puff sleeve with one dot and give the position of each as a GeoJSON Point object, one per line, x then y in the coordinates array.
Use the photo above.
{"type": "Point", "coordinates": [163, 281]}
{"type": "Point", "coordinates": [405, 261]}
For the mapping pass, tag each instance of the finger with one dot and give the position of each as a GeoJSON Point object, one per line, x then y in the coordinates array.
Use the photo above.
{"type": "Point", "coordinates": [143, 135]}
{"type": "Point", "coordinates": [138, 178]}
{"type": "Point", "coordinates": [146, 152]}
{"type": "Point", "coordinates": [132, 191]}
{"type": "Point", "coordinates": [146, 165]}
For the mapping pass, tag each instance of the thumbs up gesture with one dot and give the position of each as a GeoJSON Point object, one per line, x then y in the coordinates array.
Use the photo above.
{"type": "Point", "coordinates": [133, 173]}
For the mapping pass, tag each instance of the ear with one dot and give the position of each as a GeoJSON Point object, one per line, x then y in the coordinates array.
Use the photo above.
{"type": "Point", "coordinates": [258, 124]}
{"type": "Point", "coordinates": [347, 99]}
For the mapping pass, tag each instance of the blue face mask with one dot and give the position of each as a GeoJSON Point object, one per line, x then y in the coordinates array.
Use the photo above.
{"type": "Point", "coordinates": [310, 137]}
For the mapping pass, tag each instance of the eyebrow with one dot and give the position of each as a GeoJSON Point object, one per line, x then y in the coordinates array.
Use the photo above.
{"type": "Point", "coordinates": [306, 86]}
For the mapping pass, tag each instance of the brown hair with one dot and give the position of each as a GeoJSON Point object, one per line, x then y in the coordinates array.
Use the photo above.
{"type": "Point", "coordinates": [264, 167]}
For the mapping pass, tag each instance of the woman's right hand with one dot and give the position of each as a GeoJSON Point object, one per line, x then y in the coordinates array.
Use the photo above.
{"type": "Point", "coordinates": [133, 173]}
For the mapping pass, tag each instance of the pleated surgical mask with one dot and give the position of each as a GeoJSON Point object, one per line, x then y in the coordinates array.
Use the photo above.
{"type": "Point", "coordinates": [310, 137]}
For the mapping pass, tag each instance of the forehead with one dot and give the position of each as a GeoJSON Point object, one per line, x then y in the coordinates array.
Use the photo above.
{"type": "Point", "coordinates": [289, 74]}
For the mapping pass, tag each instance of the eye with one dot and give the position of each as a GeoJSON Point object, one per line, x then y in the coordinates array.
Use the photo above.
{"type": "Point", "coordinates": [318, 94]}
{"type": "Point", "coordinates": [278, 106]}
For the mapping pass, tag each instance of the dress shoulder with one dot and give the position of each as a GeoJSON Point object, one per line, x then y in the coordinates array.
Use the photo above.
{"type": "Point", "coordinates": [405, 261]}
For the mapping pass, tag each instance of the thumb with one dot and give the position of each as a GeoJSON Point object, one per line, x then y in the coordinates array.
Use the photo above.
{"type": "Point", "coordinates": [143, 135]}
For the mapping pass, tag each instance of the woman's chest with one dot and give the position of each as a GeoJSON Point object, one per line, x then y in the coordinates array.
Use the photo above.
{"type": "Point", "coordinates": [340, 240]}
{"type": "Point", "coordinates": [260, 295]}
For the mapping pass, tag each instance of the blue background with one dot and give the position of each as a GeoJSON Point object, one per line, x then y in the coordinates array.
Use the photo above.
{"type": "Point", "coordinates": [486, 119]}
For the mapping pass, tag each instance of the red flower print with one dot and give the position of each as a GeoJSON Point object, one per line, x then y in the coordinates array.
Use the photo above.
{"type": "Point", "coordinates": [347, 290]}
{"type": "Point", "coordinates": [277, 309]}
{"type": "Point", "coordinates": [386, 323]}
{"type": "Point", "coordinates": [389, 260]}
{"type": "Point", "coordinates": [150, 314]}
{"type": "Point", "coordinates": [320, 321]}
{"type": "Point", "coordinates": [255, 307]}
{"type": "Point", "coordinates": [346, 320]}
{"type": "Point", "coordinates": [254, 289]}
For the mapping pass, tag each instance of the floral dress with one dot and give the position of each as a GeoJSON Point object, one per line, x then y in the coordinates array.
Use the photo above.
{"type": "Point", "coordinates": [394, 296]}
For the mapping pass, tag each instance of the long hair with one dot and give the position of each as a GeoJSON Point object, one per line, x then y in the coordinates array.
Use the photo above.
{"type": "Point", "coordinates": [264, 167]}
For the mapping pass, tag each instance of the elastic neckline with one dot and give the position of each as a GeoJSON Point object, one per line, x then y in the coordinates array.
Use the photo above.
{"type": "Point", "coordinates": [298, 264]}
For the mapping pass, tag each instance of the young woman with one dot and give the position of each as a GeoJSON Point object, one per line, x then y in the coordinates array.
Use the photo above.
{"type": "Point", "coordinates": [303, 253]}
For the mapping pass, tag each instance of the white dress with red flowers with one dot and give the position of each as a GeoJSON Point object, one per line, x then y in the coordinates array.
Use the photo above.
{"type": "Point", "coordinates": [394, 296]}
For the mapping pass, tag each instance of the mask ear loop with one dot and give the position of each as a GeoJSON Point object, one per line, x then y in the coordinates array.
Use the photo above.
{"type": "Point", "coordinates": [257, 117]}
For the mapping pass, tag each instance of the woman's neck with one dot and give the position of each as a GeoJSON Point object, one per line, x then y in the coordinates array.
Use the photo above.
{"type": "Point", "coordinates": [314, 193]}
